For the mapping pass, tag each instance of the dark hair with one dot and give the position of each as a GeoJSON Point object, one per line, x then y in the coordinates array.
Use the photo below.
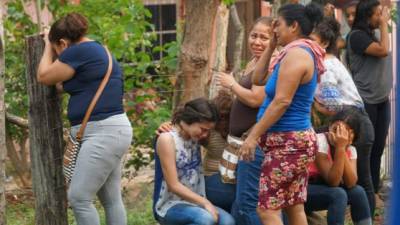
{"type": "Point", "coordinates": [306, 16]}
{"type": "Point", "coordinates": [265, 20]}
{"type": "Point", "coordinates": [223, 101]}
{"type": "Point", "coordinates": [352, 117]}
{"type": "Point", "coordinates": [329, 31]}
{"type": "Point", "coordinates": [73, 27]}
{"type": "Point", "coordinates": [364, 11]}
{"type": "Point", "coordinates": [195, 111]}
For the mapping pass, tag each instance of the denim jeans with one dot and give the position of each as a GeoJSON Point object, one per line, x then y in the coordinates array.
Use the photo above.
{"type": "Point", "coordinates": [220, 194]}
{"type": "Point", "coordinates": [380, 118]}
{"type": "Point", "coordinates": [185, 214]}
{"type": "Point", "coordinates": [98, 171]}
{"type": "Point", "coordinates": [247, 186]}
{"type": "Point", "coordinates": [363, 145]}
{"type": "Point", "coordinates": [335, 200]}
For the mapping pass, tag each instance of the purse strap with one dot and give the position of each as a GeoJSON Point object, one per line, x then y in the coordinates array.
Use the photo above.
{"type": "Point", "coordinates": [96, 97]}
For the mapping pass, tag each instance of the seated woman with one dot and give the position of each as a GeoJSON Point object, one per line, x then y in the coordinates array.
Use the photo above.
{"type": "Point", "coordinates": [333, 175]}
{"type": "Point", "coordinates": [337, 91]}
{"type": "Point", "coordinates": [179, 190]}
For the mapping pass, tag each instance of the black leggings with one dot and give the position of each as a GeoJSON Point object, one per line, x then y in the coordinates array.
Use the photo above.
{"type": "Point", "coordinates": [363, 146]}
{"type": "Point", "coordinates": [380, 118]}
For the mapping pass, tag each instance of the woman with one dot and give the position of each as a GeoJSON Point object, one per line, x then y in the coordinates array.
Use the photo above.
{"type": "Point", "coordinates": [284, 125]}
{"type": "Point", "coordinates": [81, 66]}
{"type": "Point", "coordinates": [370, 64]}
{"type": "Point", "coordinates": [333, 175]}
{"type": "Point", "coordinates": [249, 98]}
{"type": "Point", "coordinates": [337, 91]}
{"type": "Point", "coordinates": [179, 190]}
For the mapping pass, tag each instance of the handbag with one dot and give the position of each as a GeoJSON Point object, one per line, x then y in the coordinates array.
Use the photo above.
{"type": "Point", "coordinates": [230, 158]}
{"type": "Point", "coordinates": [73, 146]}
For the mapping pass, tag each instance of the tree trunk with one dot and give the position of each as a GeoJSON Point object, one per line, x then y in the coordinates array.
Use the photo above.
{"type": "Point", "coordinates": [3, 149]}
{"type": "Point", "coordinates": [46, 142]}
{"type": "Point", "coordinates": [193, 61]}
{"type": "Point", "coordinates": [239, 31]}
{"type": "Point", "coordinates": [218, 52]}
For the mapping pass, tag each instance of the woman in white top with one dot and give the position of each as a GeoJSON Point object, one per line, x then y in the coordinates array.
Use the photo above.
{"type": "Point", "coordinates": [333, 175]}
{"type": "Point", "coordinates": [179, 189]}
{"type": "Point", "coordinates": [336, 92]}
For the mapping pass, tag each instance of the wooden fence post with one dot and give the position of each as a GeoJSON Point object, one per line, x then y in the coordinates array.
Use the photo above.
{"type": "Point", "coordinates": [3, 149]}
{"type": "Point", "coordinates": [46, 142]}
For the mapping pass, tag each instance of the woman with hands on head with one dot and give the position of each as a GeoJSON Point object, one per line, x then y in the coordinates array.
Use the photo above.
{"type": "Point", "coordinates": [284, 130]}
{"type": "Point", "coordinates": [81, 65]}
{"type": "Point", "coordinates": [333, 175]}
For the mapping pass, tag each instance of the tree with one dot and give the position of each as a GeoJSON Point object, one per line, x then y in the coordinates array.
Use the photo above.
{"type": "Point", "coordinates": [2, 126]}
{"type": "Point", "coordinates": [194, 59]}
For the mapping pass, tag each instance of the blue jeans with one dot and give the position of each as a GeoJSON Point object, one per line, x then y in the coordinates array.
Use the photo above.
{"type": "Point", "coordinates": [98, 171]}
{"type": "Point", "coordinates": [335, 200]}
{"type": "Point", "coordinates": [248, 177]}
{"type": "Point", "coordinates": [185, 214]}
{"type": "Point", "coordinates": [220, 194]}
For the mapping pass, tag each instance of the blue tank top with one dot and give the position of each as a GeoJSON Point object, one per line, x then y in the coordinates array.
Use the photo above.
{"type": "Point", "coordinates": [297, 115]}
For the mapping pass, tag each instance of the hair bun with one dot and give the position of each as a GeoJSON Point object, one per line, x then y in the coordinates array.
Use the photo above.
{"type": "Point", "coordinates": [314, 12]}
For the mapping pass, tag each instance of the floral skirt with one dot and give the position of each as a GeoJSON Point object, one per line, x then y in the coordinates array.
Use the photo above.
{"type": "Point", "coordinates": [284, 176]}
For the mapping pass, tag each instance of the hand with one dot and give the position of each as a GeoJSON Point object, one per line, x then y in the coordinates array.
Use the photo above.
{"type": "Point", "coordinates": [164, 127]}
{"type": "Point", "coordinates": [329, 10]}
{"type": "Point", "coordinates": [385, 16]}
{"type": "Point", "coordinates": [211, 208]}
{"type": "Point", "coordinates": [340, 137]}
{"type": "Point", "coordinates": [248, 149]}
{"type": "Point", "coordinates": [225, 79]}
{"type": "Point", "coordinates": [45, 35]}
{"type": "Point", "coordinates": [273, 42]}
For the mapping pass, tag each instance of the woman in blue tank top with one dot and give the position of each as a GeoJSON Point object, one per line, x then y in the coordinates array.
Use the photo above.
{"type": "Point", "coordinates": [283, 130]}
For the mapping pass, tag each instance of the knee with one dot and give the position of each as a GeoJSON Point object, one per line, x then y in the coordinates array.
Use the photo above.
{"type": "Point", "coordinates": [339, 196]}
{"type": "Point", "coordinates": [205, 218]}
{"type": "Point", "coordinates": [357, 192]}
{"type": "Point", "coordinates": [76, 197]}
{"type": "Point", "coordinates": [226, 220]}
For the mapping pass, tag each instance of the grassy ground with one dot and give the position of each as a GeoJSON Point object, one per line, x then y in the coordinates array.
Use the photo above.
{"type": "Point", "coordinates": [137, 198]}
{"type": "Point", "coordinates": [20, 209]}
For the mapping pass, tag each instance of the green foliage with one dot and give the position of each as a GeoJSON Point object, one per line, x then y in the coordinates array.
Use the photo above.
{"type": "Point", "coordinates": [124, 27]}
{"type": "Point", "coordinates": [228, 2]}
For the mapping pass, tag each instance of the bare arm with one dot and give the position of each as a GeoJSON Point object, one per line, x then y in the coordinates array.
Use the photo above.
{"type": "Point", "coordinates": [166, 153]}
{"type": "Point", "coordinates": [350, 172]}
{"type": "Point", "coordinates": [381, 48]}
{"type": "Point", "coordinates": [331, 172]}
{"type": "Point", "coordinates": [49, 72]}
{"type": "Point", "coordinates": [291, 74]}
{"type": "Point", "coordinates": [251, 97]}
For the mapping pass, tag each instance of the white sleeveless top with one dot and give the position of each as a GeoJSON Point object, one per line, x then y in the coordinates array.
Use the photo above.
{"type": "Point", "coordinates": [190, 174]}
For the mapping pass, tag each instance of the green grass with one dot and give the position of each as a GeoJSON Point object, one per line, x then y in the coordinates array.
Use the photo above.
{"type": "Point", "coordinates": [139, 211]}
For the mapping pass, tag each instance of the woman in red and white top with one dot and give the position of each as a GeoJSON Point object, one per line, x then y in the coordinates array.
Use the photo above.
{"type": "Point", "coordinates": [333, 175]}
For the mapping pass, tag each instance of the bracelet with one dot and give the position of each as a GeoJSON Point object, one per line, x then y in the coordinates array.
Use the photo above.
{"type": "Point", "coordinates": [231, 86]}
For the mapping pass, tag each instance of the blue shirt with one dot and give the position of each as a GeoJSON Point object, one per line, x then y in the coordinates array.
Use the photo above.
{"type": "Point", "coordinates": [90, 62]}
{"type": "Point", "coordinates": [297, 115]}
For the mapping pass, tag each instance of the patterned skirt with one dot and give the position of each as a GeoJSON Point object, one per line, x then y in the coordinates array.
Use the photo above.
{"type": "Point", "coordinates": [284, 176]}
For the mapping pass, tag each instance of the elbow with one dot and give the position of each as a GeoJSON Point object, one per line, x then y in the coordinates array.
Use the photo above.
{"type": "Point", "coordinates": [333, 183]}
{"type": "Point", "coordinates": [41, 78]}
{"type": "Point", "coordinates": [173, 188]}
{"type": "Point", "coordinates": [349, 185]}
{"type": "Point", "coordinates": [283, 103]}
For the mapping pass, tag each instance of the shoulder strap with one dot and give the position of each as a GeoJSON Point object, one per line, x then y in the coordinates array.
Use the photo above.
{"type": "Point", "coordinates": [96, 97]}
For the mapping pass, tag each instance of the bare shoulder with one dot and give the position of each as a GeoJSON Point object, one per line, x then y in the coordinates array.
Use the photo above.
{"type": "Point", "coordinates": [297, 53]}
{"type": "Point", "coordinates": [165, 143]}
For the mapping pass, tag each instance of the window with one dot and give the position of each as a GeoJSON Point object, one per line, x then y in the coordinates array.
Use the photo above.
{"type": "Point", "coordinates": [164, 20]}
